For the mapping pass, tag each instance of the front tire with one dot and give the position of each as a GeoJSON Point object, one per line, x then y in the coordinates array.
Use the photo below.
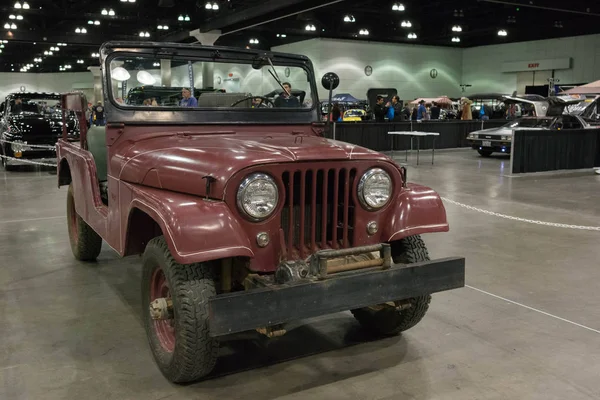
{"type": "Point", "coordinates": [388, 320]}
{"type": "Point", "coordinates": [485, 153]}
{"type": "Point", "coordinates": [182, 346]}
{"type": "Point", "coordinates": [86, 244]}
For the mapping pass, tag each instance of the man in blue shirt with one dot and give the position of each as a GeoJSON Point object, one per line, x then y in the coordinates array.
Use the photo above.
{"type": "Point", "coordinates": [421, 111]}
{"type": "Point", "coordinates": [188, 100]}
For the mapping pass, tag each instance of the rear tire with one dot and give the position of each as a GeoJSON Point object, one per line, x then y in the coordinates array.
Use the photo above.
{"type": "Point", "coordinates": [182, 346]}
{"type": "Point", "coordinates": [485, 153]}
{"type": "Point", "coordinates": [385, 319]}
{"type": "Point", "coordinates": [86, 244]}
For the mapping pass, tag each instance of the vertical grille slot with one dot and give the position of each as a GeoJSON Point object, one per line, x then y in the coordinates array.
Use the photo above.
{"type": "Point", "coordinates": [318, 211]}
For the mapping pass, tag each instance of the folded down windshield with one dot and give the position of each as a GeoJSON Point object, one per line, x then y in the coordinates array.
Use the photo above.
{"type": "Point", "coordinates": [146, 81]}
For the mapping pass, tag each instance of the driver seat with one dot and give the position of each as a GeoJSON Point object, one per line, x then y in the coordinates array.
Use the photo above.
{"type": "Point", "coordinates": [211, 100]}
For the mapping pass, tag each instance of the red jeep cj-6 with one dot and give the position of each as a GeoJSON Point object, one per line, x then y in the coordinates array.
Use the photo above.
{"type": "Point", "coordinates": [246, 216]}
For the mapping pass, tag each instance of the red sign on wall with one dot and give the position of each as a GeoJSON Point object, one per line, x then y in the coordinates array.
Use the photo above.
{"type": "Point", "coordinates": [533, 65]}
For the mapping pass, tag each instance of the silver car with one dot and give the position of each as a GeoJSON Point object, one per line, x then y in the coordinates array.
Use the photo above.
{"type": "Point", "coordinates": [499, 140]}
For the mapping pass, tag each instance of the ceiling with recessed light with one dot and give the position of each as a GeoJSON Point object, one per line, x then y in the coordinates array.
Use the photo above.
{"type": "Point", "coordinates": [64, 35]}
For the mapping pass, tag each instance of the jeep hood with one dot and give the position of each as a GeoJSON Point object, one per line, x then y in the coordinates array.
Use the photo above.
{"type": "Point", "coordinates": [180, 163]}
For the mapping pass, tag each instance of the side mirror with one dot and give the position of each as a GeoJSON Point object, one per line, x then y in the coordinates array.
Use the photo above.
{"type": "Point", "coordinates": [330, 82]}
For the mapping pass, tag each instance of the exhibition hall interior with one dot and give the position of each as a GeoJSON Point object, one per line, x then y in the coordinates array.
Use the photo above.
{"type": "Point", "coordinates": [299, 199]}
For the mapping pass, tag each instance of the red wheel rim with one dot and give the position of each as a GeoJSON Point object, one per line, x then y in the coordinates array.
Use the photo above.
{"type": "Point", "coordinates": [165, 329]}
{"type": "Point", "coordinates": [73, 220]}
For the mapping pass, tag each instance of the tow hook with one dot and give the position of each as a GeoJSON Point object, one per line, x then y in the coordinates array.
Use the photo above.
{"type": "Point", "coordinates": [161, 308]}
{"type": "Point", "coordinates": [272, 331]}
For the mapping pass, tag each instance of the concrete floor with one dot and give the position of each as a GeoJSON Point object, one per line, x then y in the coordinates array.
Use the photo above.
{"type": "Point", "coordinates": [73, 331]}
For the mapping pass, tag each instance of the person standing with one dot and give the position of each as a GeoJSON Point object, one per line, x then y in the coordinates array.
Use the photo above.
{"type": "Point", "coordinates": [466, 114]}
{"type": "Point", "coordinates": [336, 113]}
{"type": "Point", "coordinates": [435, 111]}
{"type": "Point", "coordinates": [98, 114]}
{"type": "Point", "coordinates": [421, 111]}
{"type": "Point", "coordinates": [397, 107]}
{"type": "Point", "coordinates": [379, 110]}
{"type": "Point", "coordinates": [187, 99]}
{"type": "Point", "coordinates": [17, 108]}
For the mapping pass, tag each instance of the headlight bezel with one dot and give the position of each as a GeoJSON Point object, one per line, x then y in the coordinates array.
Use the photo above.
{"type": "Point", "coordinates": [361, 186]}
{"type": "Point", "coordinates": [243, 186]}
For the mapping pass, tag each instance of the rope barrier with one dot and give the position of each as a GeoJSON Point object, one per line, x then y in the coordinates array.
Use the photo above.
{"type": "Point", "coordinates": [25, 161]}
{"type": "Point", "coordinates": [39, 146]}
{"type": "Point", "coordinates": [529, 221]}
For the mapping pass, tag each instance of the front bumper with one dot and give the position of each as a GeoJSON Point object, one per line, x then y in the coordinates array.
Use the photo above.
{"type": "Point", "coordinates": [281, 303]}
{"type": "Point", "coordinates": [500, 146]}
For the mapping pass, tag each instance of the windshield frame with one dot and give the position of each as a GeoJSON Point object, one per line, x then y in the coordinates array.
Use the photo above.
{"type": "Point", "coordinates": [118, 113]}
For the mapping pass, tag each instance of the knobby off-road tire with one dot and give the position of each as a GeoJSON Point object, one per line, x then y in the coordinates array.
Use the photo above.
{"type": "Point", "coordinates": [485, 153]}
{"type": "Point", "coordinates": [182, 346]}
{"type": "Point", "coordinates": [85, 242]}
{"type": "Point", "coordinates": [384, 319]}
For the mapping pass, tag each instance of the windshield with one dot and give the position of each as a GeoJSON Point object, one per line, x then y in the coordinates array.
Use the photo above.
{"type": "Point", "coordinates": [175, 83]}
{"type": "Point", "coordinates": [529, 123]}
{"type": "Point", "coordinates": [41, 105]}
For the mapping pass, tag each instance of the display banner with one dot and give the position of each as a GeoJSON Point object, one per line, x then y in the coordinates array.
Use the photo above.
{"type": "Point", "coordinates": [537, 65]}
{"type": "Point", "coordinates": [191, 74]}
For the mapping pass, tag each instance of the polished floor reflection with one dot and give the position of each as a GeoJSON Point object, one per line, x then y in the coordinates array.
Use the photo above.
{"type": "Point", "coordinates": [72, 330]}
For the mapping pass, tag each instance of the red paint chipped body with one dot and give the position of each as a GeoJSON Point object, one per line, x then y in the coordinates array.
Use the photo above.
{"type": "Point", "coordinates": [169, 182]}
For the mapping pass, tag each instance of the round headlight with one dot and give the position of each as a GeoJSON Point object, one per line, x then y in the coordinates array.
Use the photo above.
{"type": "Point", "coordinates": [257, 196]}
{"type": "Point", "coordinates": [375, 189]}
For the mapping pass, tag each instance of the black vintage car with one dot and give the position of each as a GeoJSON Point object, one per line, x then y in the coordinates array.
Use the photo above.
{"type": "Point", "coordinates": [30, 125]}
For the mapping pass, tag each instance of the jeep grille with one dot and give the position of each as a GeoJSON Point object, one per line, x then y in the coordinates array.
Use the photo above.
{"type": "Point", "coordinates": [319, 210]}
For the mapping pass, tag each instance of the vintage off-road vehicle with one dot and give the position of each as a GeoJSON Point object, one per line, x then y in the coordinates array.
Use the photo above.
{"type": "Point", "coordinates": [246, 215]}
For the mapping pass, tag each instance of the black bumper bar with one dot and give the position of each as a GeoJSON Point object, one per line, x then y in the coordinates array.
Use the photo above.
{"type": "Point", "coordinates": [258, 308]}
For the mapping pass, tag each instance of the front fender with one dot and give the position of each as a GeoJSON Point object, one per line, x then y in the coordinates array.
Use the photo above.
{"type": "Point", "coordinates": [196, 230]}
{"type": "Point", "coordinates": [420, 210]}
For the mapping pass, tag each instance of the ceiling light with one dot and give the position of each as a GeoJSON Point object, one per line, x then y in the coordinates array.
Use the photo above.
{"type": "Point", "coordinates": [11, 16]}
{"type": "Point", "coordinates": [156, 64]}
{"type": "Point", "coordinates": [25, 6]}
{"type": "Point", "coordinates": [253, 41]}
{"type": "Point", "coordinates": [166, 27]}
{"type": "Point", "coordinates": [104, 11]}
{"type": "Point", "coordinates": [208, 6]}
{"type": "Point", "coordinates": [406, 24]}
{"type": "Point", "coordinates": [159, 27]}
{"type": "Point", "coordinates": [1, 46]}
{"type": "Point", "coordinates": [363, 32]}
{"type": "Point", "coordinates": [456, 39]}
{"type": "Point", "coordinates": [215, 6]}
{"type": "Point", "coordinates": [13, 26]}
{"type": "Point", "coordinates": [49, 53]}
{"type": "Point", "coordinates": [456, 28]}
{"type": "Point", "coordinates": [19, 17]}
{"type": "Point", "coordinates": [398, 7]}
{"type": "Point", "coordinates": [7, 26]}
{"type": "Point", "coordinates": [96, 22]}
{"type": "Point", "coordinates": [90, 22]}
{"type": "Point", "coordinates": [558, 24]}
{"type": "Point", "coordinates": [123, 1]}
{"type": "Point", "coordinates": [187, 18]}
{"type": "Point", "coordinates": [132, 1]}
{"type": "Point", "coordinates": [502, 32]}
{"type": "Point", "coordinates": [511, 20]}
{"type": "Point", "coordinates": [95, 55]}
{"type": "Point", "coordinates": [281, 35]}
{"type": "Point", "coordinates": [180, 18]}
{"type": "Point", "coordinates": [111, 12]}
{"type": "Point", "coordinates": [310, 27]}
{"type": "Point", "coordinates": [349, 18]}
{"type": "Point", "coordinates": [459, 13]}
{"type": "Point", "coordinates": [412, 35]}
{"type": "Point", "coordinates": [17, 5]}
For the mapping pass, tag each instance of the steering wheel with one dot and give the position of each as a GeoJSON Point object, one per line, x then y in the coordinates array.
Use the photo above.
{"type": "Point", "coordinates": [264, 100]}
